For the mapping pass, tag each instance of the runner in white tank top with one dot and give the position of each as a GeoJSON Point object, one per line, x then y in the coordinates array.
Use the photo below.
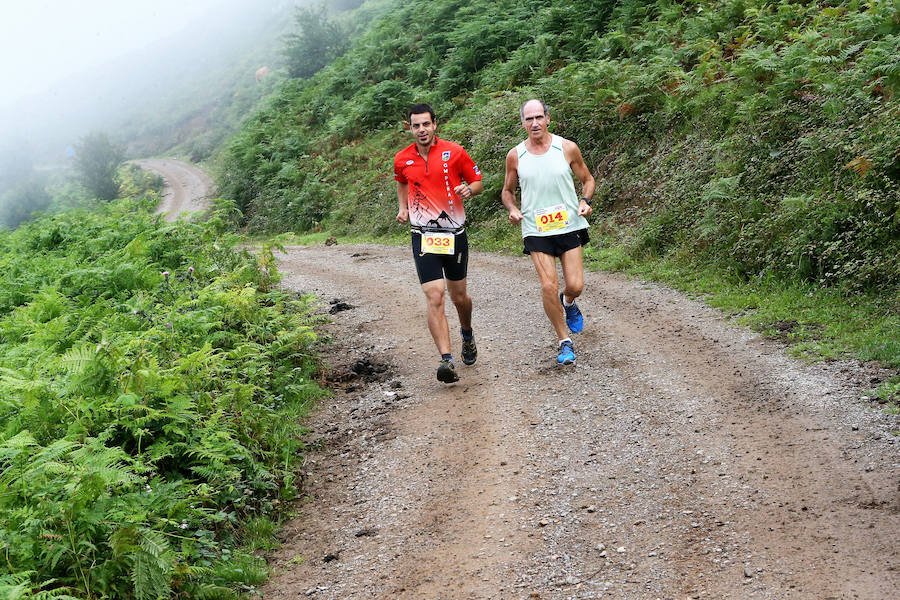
{"type": "Point", "coordinates": [549, 202]}
{"type": "Point", "coordinates": [553, 219]}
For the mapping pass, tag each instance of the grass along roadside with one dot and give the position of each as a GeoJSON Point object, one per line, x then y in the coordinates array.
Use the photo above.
{"type": "Point", "coordinates": [815, 323]}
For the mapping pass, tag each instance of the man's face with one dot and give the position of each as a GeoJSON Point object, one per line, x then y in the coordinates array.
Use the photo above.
{"type": "Point", "coordinates": [534, 120]}
{"type": "Point", "coordinates": [422, 128]}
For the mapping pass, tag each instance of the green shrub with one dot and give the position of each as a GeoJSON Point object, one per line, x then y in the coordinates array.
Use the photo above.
{"type": "Point", "coordinates": [151, 383]}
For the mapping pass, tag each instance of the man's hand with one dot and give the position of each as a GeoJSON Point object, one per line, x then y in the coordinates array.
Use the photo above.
{"type": "Point", "coordinates": [463, 191]}
{"type": "Point", "coordinates": [403, 215]}
{"type": "Point", "coordinates": [584, 209]}
{"type": "Point", "coordinates": [515, 216]}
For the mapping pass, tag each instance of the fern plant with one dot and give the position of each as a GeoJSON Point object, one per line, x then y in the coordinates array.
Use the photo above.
{"type": "Point", "coordinates": [143, 415]}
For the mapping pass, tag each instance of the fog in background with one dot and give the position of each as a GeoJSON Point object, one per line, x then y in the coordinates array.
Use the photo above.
{"type": "Point", "coordinates": [70, 68]}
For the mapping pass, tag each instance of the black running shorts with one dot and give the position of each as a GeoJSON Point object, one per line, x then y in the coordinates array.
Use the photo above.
{"type": "Point", "coordinates": [555, 245]}
{"type": "Point", "coordinates": [441, 266]}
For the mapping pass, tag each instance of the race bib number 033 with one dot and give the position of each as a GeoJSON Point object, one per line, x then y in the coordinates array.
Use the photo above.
{"type": "Point", "coordinates": [551, 218]}
{"type": "Point", "coordinates": [434, 242]}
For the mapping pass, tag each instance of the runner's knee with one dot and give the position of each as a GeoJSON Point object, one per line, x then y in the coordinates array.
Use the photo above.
{"type": "Point", "coordinates": [459, 296]}
{"type": "Point", "coordinates": [434, 296]}
{"type": "Point", "coordinates": [549, 287]}
{"type": "Point", "coordinates": [574, 289]}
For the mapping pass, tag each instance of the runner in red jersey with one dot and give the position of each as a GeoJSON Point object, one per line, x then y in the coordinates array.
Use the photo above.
{"type": "Point", "coordinates": [432, 199]}
{"type": "Point", "coordinates": [433, 177]}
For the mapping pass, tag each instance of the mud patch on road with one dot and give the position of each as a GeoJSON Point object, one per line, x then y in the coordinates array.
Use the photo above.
{"type": "Point", "coordinates": [338, 305]}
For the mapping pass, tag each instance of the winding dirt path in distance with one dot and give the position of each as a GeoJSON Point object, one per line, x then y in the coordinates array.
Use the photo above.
{"type": "Point", "coordinates": [187, 190]}
{"type": "Point", "coordinates": [682, 457]}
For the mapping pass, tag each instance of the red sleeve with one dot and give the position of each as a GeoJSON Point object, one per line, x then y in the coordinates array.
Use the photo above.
{"type": "Point", "coordinates": [468, 170]}
{"type": "Point", "coordinates": [398, 169]}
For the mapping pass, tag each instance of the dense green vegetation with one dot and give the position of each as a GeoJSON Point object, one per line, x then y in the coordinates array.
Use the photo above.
{"type": "Point", "coordinates": [151, 383]}
{"type": "Point", "coordinates": [755, 138]}
{"type": "Point", "coordinates": [319, 39]}
{"type": "Point", "coordinates": [761, 136]}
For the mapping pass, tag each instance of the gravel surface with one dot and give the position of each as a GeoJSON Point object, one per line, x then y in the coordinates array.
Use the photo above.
{"type": "Point", "coordinates": [187, 187]}
{"type": "Point", "coordinates": [682, 457]}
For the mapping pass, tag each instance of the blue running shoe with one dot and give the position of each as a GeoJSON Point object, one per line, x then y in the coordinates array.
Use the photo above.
{"type": "Point", "coordinates": [566, 354]}
{"type": "Point", "coordinates": [573, 316]}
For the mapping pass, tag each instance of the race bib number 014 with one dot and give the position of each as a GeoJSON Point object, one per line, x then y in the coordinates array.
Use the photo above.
{"type": "Point", "coordinates": [434, 242]}
{"type": "Point", "coordinates": [551, 218]}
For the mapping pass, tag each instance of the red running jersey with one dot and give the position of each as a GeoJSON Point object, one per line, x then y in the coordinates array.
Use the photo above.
{"type": "Point", "coordinates": [432, 201]}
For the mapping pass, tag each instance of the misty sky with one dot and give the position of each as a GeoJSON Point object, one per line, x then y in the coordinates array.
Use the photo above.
{"type": "Point", "coordinates": [44, 41]}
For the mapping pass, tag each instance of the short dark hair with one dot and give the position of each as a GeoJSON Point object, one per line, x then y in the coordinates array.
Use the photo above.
{"type": "Point", "coordinates": [543, 104]}
{"type": "Point", "coordinates": [418, 109]}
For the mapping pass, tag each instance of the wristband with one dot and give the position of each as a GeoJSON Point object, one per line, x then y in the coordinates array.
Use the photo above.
{"type": "Point", "coordinates": [586, 200]}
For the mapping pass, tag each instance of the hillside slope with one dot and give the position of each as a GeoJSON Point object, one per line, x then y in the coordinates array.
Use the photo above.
{"type": "Point", "coordinates": [758, 137]}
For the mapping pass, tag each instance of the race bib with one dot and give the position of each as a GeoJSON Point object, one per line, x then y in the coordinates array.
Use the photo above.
{"type": "Point", "coordinates": [436, 242]}
{"type": "Point", "coordinates": [553, 217]}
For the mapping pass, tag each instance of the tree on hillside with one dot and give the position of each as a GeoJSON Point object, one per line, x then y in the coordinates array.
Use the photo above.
{"type": "Point", "coordinates": [319, 42]}
{"type": "Point", "coordinates": [97, 161]}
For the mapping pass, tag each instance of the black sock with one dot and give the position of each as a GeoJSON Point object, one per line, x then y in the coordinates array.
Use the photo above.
{"type": "Point", "coordinates": [466, 333]}
{"type": "Point", "coordinates": [447, 357]}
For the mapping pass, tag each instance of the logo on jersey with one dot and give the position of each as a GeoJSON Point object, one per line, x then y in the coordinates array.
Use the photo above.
{"type": "Point", "coordinates": [409, 162]}
{"type": "Point", "coordinates": [445, 155]}
{"type": "Point", "coordinates": [477, 170]}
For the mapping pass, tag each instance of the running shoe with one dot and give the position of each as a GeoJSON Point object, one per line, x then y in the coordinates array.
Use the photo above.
{"type": "Point", "coordinates": [469, 350]}
{"type": "Point", "coordinates": [446, 372]}
{"type": "Point", "coordinates": [573, 316]}
{"type": "Point", "coordinates": [566, 354]}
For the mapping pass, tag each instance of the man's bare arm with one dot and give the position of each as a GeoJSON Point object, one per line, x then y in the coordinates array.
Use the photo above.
{"type": "Point", "coordinates": [576, 162]}
{"type": "Point", "coordinates": [510, 183]}
{"type": "Point", "coordinates": [402, 202]}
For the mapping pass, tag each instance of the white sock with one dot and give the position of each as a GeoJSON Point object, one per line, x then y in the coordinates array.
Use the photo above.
{"type": "Point", "coordinates": [566, 302]}
{"type": "Point", "coordinates": [565, 340]}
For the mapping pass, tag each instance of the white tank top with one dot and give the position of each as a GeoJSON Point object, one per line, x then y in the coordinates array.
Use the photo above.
{"type": "Point", "coordinates": [549, 201]}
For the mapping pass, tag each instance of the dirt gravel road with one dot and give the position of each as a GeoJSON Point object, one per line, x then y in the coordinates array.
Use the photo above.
{"type": "Point", "coordinates": [187, 190]}
{"type": "Point", "coordinates": [682, 457]}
